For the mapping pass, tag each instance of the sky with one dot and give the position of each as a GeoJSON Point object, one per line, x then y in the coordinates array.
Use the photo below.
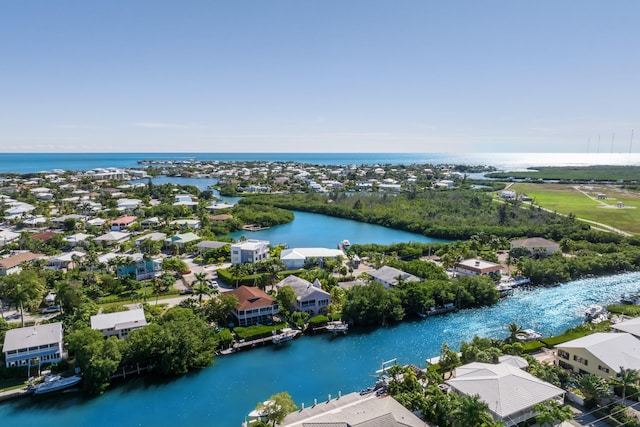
{"type": "Point", "coordinates": [319, 76]}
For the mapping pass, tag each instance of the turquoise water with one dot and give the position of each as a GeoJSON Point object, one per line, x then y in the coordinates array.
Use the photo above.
{"type": "Point", "coordinates": [35, 162]}
{"type": "Point", "coordinates": [311, 367]}
{"type": "Point", "coordinates": [309, 230]}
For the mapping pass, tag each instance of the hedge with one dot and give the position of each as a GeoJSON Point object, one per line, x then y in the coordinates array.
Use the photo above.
{"type": "Point", "coordinates": [255, 332]}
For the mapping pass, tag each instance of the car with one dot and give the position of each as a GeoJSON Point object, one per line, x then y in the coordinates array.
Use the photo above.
{"type": "Point", "coordinates": [52, 309]}
{"type": "Point", "coordinates": [186, 291]}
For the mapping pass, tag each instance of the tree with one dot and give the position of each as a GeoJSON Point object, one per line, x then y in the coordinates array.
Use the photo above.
{"type": "Point", "coordinates": [449, 359]}
{"type": "Point", "coordinates": [471, 412]}
{"type": "Point", "coordinates": [626, 378]}
{"type": "Point", "coordinates": [277, 407]}
{"type": "Point", "coordinates": [552, 413]}
{"type": "Point", "coordinates": [25, 289]}
{"type": "Point", "coordinates": [97, 358]}
{"type": "Point", "coordinates": [219, 309]}
{"type": "Point", "coordinates": [514, 330]}
{"type": "Point", "coordinates": [200, 286]}
{"type": "Point", "coordinates": [286, 298]}
{"type": "Point", "coordinates": [593, 387]}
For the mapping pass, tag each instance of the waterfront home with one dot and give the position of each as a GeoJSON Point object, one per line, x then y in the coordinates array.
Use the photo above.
{"type": "Point", "coordinates": [536, 244]}
{"type": "Point", "coordinates": [600, 354]}
{"type": "Point", "coordinates": [477, 267]}
{"type": "Point", "coordinates": [118, 324]}
{"type": "Point", "coordinates": [250, 251]}
{"type": "Point", "coordinates": [7, 237]}
{"type": "Point", "coordinates": [310, 298]}
{"type": "Point", "coordinates": [33, 345]}
{"type": "Point", "coordinates": [509, 392]}
{"type": "Point", "coordinates": [185, 200]}
{"type": "Point", "coordinates": [220, 206]}
{"type": "Point", "coordinates": [121, 223]}
{"type": "Point", "coordinates": [186, 224]}
{"type": "Point", "coordinates": [66, 259]}
{"type": "Point", "coordinates": [630, 326]}
{"type": "Point", "coordinates": [13, 264]}
{"type": "Point", "coordinates": [113, 238]}
{"type": "Point", "coordinates": [140, 266]}
{"type": "Point", "coordinates": [254, 306]}
{"type": "Point", "coordinates": [354, 410]}
{"type": "Point", "coordinates": [390, 276]}
{"type": "Point", "coordinates": [297, 257]}
{"type": "Point", "coordinates": [182, 239]}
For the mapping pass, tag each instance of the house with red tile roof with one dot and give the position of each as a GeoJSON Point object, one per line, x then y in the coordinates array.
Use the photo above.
{"type": "Point", "coordinates": [254, 306]}
{"type": "Point", "coordinates": [121, 223]}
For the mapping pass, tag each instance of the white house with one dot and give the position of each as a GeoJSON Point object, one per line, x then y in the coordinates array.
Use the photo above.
{"type": "Point", "coordinates": [13, 264]}
{"type": "Point", "coordinates": [509, 392]}
{"type": "Point", "coordinates": [390, 276]}
{"type": "Point", "coordinates": [249, 251]}
{"type": "Point", "coordinates": [113, 237]}
{"type": "Point", "coordinates": [296, 258]}
{"type": "Point", "coordinates": [310, 298]}
{"type": "Point", "coordinates": [477, 267]}
{"type": "Point", "coordinates": [120, 323]}
{"type": "Point", "coordinates": [535, 243]}
{"type": "Point", "coordinates": [33, 345]}
{"type": "Point", "coordinates": [65, 259]}
{"type": "Point", "coordinates": [7, 236]}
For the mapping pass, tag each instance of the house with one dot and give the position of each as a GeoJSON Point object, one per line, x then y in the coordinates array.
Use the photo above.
{"type": "Point", "coordinates": [509, 392]}
{"type": "Point", "coordinates": [249, 251]}
{"type": "Point", "coordinates": [185, 200]}
{"type": "Point", "coordinates": [142, 268]}
{"type": "Point", "coordinates": [33, 345]}
{"type": "Point", "coordinates": [7, 237]}
{"type": "Point", "coordinates": [96, 222]}
{"type": "Point", "coordinates": [207, 245]}
{"type": "Point", "coordinates": [601, 354]}
{"type": "Point", "coordinates": [59, 221]}
{"type": "Point", "coordinates": [630, 326]}
{"type": "Point", "coordinates": [354, 410]}
{"type": "Point", "coordinates": [127, 204]}
{"type": "Point", "coordinates": [310, 298]}
{"type": "Point", "coordinates": [154, 237]}
{"type": "Point", "coordinates": [477, 267]}
{"type": "Point", "coordinates": [66, 259]}
{"type": "Point", "coordinates": [18, 210]}
{"type": "Point", "coordinates": [296, 258]}
{"type": "Point", "coordinates": [13, 264]}
{"type": "Point", "coordinates": [121, 223]}
{"type": "Point", "coordinates": [113, 238]}
{"type": "Point", "coordinates": [508, 194]}
{"type": "Point", "coordinates": [186, 224]}
{"type": "Point", "coordinates": [43, 237]}
{"type": "Point", "coordinates": [78, 239]}
{"type": "Point", "coordinates": [254, 306]}
{"type": "Point", "coordinates": [118, 324]}
{"type": "Point", "coordinates": [220, 206]}
{"type": "Point", "coordinates": [535, 243]}
{"type": "Point", "coordinates": [149, 223]}
{"type": "Point", "coordinates": [182, 239]}
{"type": "Point", "coordinates": [390, 276]}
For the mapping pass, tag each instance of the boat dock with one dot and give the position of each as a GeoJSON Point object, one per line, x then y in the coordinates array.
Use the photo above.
{"type": "Point", "coordinates": [237, 346]}
{"type": "Point", "coordinates": [13, 393]}
{"type": "Point", "coordinates": [254, 227]}
{"type": "Point", "coordinates": [334, 327]}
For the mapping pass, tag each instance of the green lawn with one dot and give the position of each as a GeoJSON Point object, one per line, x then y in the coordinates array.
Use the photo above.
{"type": "Point", "coordinates": [566, 199]}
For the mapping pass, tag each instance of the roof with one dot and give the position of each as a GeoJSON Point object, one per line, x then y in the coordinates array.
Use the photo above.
{"type": "Point", "coordinates": [613, 349]}
{"type": "Point", "coordinates": [18, 259]}
{"type": "Point", "coordinates": [303, 253]}
{"type": "Point", "coordinates": [184, 238]}
{"type": "Point", "coordinates": [478, 266]}
{"type": "Point", "coordinates": [251, 297]}
{"type": "Point", "coordinates": [127, 219]}
{"type": "Point", "coordinates": [353, 410]}
{"type": "Point", "coordinates": [152, 236]}
{"type": "Point", "coordinates": [534, 242]}
{"type": "Point", "coordinates": [631, 326]}
{"type": "Point", "coordinates": [32, 336]}
{"type": "Point", "coordinates": [250, 245]}
{"type": "Point", "coordinates": [44, 236]}
{"type": "Point", "coordinates": [68, 256]}
{"type": "Point", "coordinates": [390, 275]}
{"type": "Point", "coordinates": [119, 320]}
{"type": "Point", "coordinates": [211, 244]}
{"type": "Point", "coordinates": [113, 236]}
{"type": "Point", "coordinates": [503, 387]}
{"type": "Point", "coordinates": [78, 237]}
{"type": "Point", "coordinates": [301, 287]}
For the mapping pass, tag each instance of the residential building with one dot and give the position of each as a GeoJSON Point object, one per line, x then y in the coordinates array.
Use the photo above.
{"type": "Point", "coordinates": [149, 223]}
{"type": "Point", "coordinates": [390, 276]}
{"type": "Point", "coordinates": [354, 410]}
{"type": "Point", "coordinates": [207, 245]}
{"type": "Point", "coordinates": [7, 237]}
{"type": "Point", "coordinates": [601, 354]}
{"type": "Point", "coordinates": [536, 243]}
{"type": "Point", "coordinates": [78, 239]}
{"type": "Point", "coordinates": [310, 297]}
{"type": "Point", "coordinates": [182, 239]}
{"type": "Point", "coordinates": [297, 257]}
{"type": "Point", "coordinates": [13, 264]}
{"type": "Point", "coordinates": [186, 224]}
{"type": "Point", "coordinates": [66, 259]}
{"type": "Point", "coordinates": [249, 251]}
{"type": "Point", "coordinates": [142, 268]}
{"type": "Point", "coordinates": [630, 326]}
{"type": "Point", "coordinates": [477, 267]}
{"type": "Point", "coordinates": [118, 324]}
{"type": "Point", "coordinates": [33, 345]}
{"type": "Point", "coordinates": [254, 306]}
{"type": "Point", "coordinates": [154, 237]}
{"type": "Point", "coordinates": [121, 223]}
{"type": "Point", "coordinates": [113, 238]}
{"type": "Point", "coordinates": [509, 392]}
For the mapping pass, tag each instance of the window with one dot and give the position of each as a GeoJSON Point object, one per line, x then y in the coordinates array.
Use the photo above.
{"type": "Point", "coordinates": [563, 354]}
{"type": "Point", "coordinates": [603, 368]}
{"type": "Point", "coordinates": [580, 360]}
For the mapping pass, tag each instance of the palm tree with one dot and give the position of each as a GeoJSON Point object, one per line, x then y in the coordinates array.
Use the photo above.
{"type": "Point", "coordinates": [514, 330]}
{"type": "Point", "coordinates": [236, 272]}
{"type": "Point", "coordinates": [23, 296]}
{"type": "Point", "coordinates": [626, 378]}
{"type": "Point", "coordinates": [552, 413]}
{"type": "Point", "coordinates": [593, 387]}
{"type": "Point", "coordinates": [200, 286]}
{"type": "Point", "coordinates": [471, 412]}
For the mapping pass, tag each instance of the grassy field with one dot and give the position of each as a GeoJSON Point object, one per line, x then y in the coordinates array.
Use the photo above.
{"type": "Point", "coordinates": [583, 202]}
{"type": "Point", "coordinates": [581, 173]}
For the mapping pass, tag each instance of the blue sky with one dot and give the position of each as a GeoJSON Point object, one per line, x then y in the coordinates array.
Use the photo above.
{"type": "Point", "coordinates": [316, 76]}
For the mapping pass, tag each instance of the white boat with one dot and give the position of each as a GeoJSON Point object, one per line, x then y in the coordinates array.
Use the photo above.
{"type": "Point", "coordinates": [285, 335]}
{"type": "Point", "coordinates": [528, 335]}
{"type": "Point", "coordinates": [54, 383]}
{"type": "Point", "coordinates": [633, 299]}
{"type": "Point", "coordinates": [594, 311]}
{"type": "Point", "coordinates": [344, 245]}
{"type": "Point", "coordinates": [337, 327]}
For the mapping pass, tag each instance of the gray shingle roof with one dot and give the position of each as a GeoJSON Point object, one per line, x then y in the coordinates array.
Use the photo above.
{"type": "Point", "coordinates": [32, 336]}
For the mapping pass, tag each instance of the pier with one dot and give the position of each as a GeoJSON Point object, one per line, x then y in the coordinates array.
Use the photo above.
{"type": "Point", "coordinates": [237, 346]}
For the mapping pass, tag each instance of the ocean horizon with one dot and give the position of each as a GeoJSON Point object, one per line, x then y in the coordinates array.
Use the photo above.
{"type": "Point", "coordinates": [23, 163]}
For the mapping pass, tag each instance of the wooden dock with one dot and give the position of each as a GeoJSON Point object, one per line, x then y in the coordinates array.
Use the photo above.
{"type": "Point", "coordinates": [259, 342]}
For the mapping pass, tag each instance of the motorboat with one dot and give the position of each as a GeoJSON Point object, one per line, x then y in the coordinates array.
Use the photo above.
{"type": "Point", "coordinates": [528, 335]}
{"type": "Point", "coordinates": [337, 327]}
{"type": "Point", "coordinates": [53, 383]}
{"type": "Point", "coordinates": [285, 335]}
{"type": "Point", "coordinates": [594, 311]}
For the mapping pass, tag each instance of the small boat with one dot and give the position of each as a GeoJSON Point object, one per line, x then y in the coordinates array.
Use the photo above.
{"type": "Point", "coordinates": [54, 383]}
{"type": "Point", "coordinates": [337, 327]}
{"type": "Point", "coordinates": [528, 335]}
{"type": "Point", "coordinates": [633, 299]}
{"type": "Point", "coordinates": [285, 335]}
{"type": "Point", "coordinates": [344, 245]}
{"type": "Point", "coordinates": [594, 311]}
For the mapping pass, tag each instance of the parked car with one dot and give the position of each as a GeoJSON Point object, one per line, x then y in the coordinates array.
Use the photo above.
{"type": "Point", "coordinates": [186, 291]}
{"type": "Point", "coordinates": [52, 309]}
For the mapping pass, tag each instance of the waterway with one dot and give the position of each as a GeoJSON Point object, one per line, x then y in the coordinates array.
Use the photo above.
{"type": "Point", "coordinates": [311, 367]}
